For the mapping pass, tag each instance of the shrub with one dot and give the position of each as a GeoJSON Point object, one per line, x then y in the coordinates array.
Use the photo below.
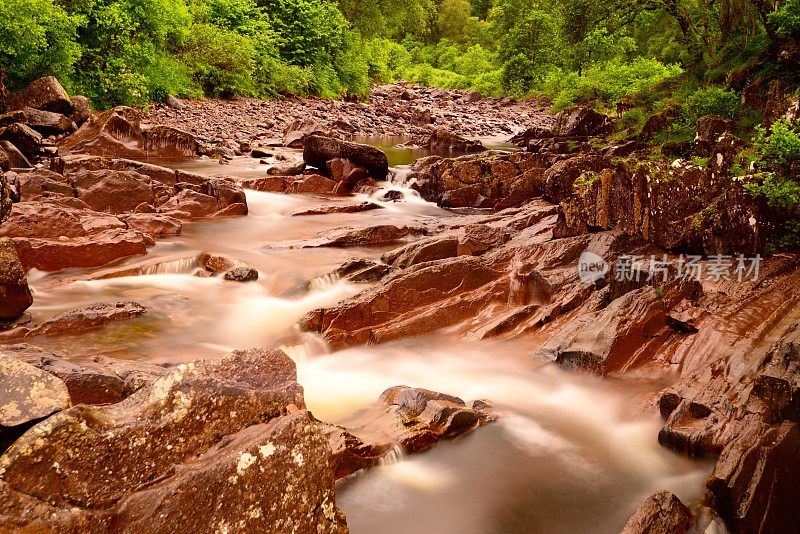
{"type": "Point", "coordinates": [712, 101]}
{"type": "Point", "coordinates": [220, 61]}
{"type": "Point", "coordinates": [779, 149]}
{"type": "Point", "coordinates": [36, 38]}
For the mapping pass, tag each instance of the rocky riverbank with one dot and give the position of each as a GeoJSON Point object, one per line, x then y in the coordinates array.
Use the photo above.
{"type": "Point", "coordinates": [600, 260]}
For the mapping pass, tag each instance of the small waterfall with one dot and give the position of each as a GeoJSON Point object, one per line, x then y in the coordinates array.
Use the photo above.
{"type": "Point", "coordinates": [394, 456]}
{"type": "Point", "coordinates": [176, 266]}
{"type": "Point", "coordinates": [323, 282]}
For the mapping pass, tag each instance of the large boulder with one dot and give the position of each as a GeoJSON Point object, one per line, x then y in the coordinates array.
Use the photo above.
{"type": "Point", "coordinates": [114, 191]}
{"type": "Point", "coordinates": [709, 130]}
{"type": "Point", "coordinates": [582, 122]}
{"type": "Point", "coordinates": [409, 419]}
{"type": "Point", "coordinates": [755, 485]}
{"type": "Point", "coordinates": [94, 250]}
{"type": "Point", "coordinates": [46, 122]}
{"type": "Point", "coordinates": [319, 150]}
{"type": "Point", "coordinates": [45, 94]}
{"type": "Point", "coordinates": [299, 131]}
{"type": "Point", "coordinates": [26, 139]}
{"type": "Point", "coordinates": [15, 295]}
{"type": "Point", "coordinates": [16, 159]}
{"type": "Point", "coordinates": [99, 380]}
{"type": "Point", "coordinates": [444, 141]}
{"type": "Point", "coordinates": [27, 395]}
{"type": "Point", "coordinates": [208, 447]}
{"type": "Point", "coordinates": [661, 513]}
{"type": "Point", "coordinates": [118, 133]}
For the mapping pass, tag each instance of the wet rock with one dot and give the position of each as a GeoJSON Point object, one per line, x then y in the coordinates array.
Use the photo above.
{"type": "Point", "coordinates": [346, 208]}
{"type": "Point", "coordinates": [523, 139]}
{"type": "Point", "coordinates": [298, 132]}
{"type": "Point", "coordinates": [480, 238]}
{"type": "Point", "coordinates": [312, 183]}
{"type": "Point", "coordinates": [114, 191]}
{"type": "Point", "coordinates": [168, 142]}
{"type": "Point", "coordinates": [154, 224]}
{"type": "Point", "coordinates": [270, 184]}
{"type": "Point", "coordinates": [443, 141]}
{"type": "Point", "coordinates": [319, 150]}
{"type": "Point", "coordinates": [411, 419]}
{"type": "Point", "coordinates": [709, 130]}
{"type": "Point", "coordinates": [222, 427]}
{"type": "Point", "coordinates": [258, 153]}
{"type": "Point", "coordinates": [15, 295]}
{"type": "Point", "coordinates": [27, 140]}
{"type": "Point", "coordinates": [217, 263]}
{"type": "Point", "coordinates": [709, 408]}
{"type": "Point", "coordinates": [755, 485]}
{"type": "Point", "coordinates": [372, 235]}
{"type": "Point", "coordinates": [601, 342]}
{"type": "Point", "coordinates": [91, 251]}
{"type": "Point", "coordinates": [582, 122]}
{"type": "Point", "coordinates": [394, 196]}
{"type": "Point", "coordinates": [492, 181]}
{"type": "Point", "coordinates": [27, 395]}
{"type": "Point", "coordinates": [288, 169]}
{"type": "Point", "coordinates": [45, 94]}
{"type": "Point", "coordinates": [423, 299]}
{"type": "Point", "coordinates": [661, 513]}
{"type": "Point", "coordinates": [118, 133]}
{"type": "Point", "coordinates": [361, 270]}
{"type": "Point", "coordinates": [100, 380]}
{"type": "Point", "coordinates": [242, 274]}
{"type": "Point", "coordinates": [16, 159]}
{"type": "Point", "coordinates": [81, 110]}
{"type": "Point", "coordinates": [47, 122]}
{"type": "Point", "coordinates": [88, 318]}
{"type": "Point", "coordinates": [431, 249]}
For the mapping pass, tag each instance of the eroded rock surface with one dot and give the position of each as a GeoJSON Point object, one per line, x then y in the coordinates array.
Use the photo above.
{"type": "Point", "coordinates": [230, 434]}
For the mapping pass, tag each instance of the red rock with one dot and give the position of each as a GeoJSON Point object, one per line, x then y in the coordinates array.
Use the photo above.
{"type": "Point", "coordinates": [17, 159]}
{"type": "Point", "coordinates": [296, 133]}
{"type": "Point", "coordinates": [168, 142]}
{"type": "Point", "coordinates": [45, 94]}
{"type": "Point", "coordinates": [270, 184]}
{"type": "Point", "coordinates": [312, 183]}
{"type": "Point", "coordinates": [47, 122]}
{"type": "Point", "coordinates": [214, 431]}
{"type": "Point", "coordinates": [154, 224]}
{"type": "Point", "coordinates": [319, 150]}
{"type": "Point", "coordinates": [27, 140]}
{"type": "Point", "coordinates": [81, 110]}
{"type": "Point", "coordinates": [114, 191]}
{"type": "Point", "coordinates": [411, 419]}
{"type": "Point", "coordinates": [755, 485]}
{"type": "Point", "coordinates": [661, 513]}
{"type": "Point", "coordinates": [100, 380]}
{"type": "Point", "coordinates": [582, 122]}
{"type": "Point", "coordinates": [41, 181]}
{"type": "Point", "coordinates": [93, 251]}
{"type": "Point", "coordinates": [15, 295]}
{"type": "Point", "coordinates": [116, 133]}
{"type": "Point", "coordinates": [443, 141]}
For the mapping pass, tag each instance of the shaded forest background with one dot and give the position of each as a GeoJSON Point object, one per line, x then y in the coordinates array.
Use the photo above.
{"type": "Point", "coordinates": [641, 52]}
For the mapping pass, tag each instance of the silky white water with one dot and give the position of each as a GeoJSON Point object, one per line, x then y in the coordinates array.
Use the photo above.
{"type": "Point", "coordinates": [570, 454]}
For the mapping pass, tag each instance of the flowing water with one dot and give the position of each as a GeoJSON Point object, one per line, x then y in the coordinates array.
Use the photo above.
{"type": "Point", "coordinates": [571, 454]}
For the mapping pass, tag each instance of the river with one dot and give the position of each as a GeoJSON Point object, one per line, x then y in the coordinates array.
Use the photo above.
{"type": "Point", "coordinates": [570, 454]}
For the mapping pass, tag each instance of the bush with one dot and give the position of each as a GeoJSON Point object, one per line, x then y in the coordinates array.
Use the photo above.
{"type": "Point", "coordinates": [712, 101]}
{"type": "Point", "coordinates": [36, 38]}
{"type": "Point", "coordinates": [609, 82]}
{"type": "Point", "coordinates": [779, 149]}
{"type": "Point", "coordinates": [220, 61]}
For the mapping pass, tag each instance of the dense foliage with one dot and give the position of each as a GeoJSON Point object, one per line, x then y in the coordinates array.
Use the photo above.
{"type": "Point", "coordinates": [649, 54]}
